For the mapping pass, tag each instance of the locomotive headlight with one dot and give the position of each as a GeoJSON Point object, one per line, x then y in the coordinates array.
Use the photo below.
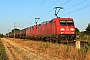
{"type": "Point", "coordinates": [72, 32]}
{"type": "Point", "coordinates": [72, 29]}
{"type": "Point", "coordinates": [62, 32]}
{"type": "Point", "coordinates": [62, 29]}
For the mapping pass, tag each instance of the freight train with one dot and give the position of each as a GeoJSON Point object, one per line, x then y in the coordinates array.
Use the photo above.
{"type": "Point", "coordinates": [56, 29]}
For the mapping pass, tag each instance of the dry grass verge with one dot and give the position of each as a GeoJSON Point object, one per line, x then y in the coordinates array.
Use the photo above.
{"type": "Point", "coordinates": [63, 52]}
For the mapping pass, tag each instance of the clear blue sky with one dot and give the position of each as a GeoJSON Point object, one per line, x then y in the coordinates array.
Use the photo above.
{"type": "Point", "coordinates": [24, 12]}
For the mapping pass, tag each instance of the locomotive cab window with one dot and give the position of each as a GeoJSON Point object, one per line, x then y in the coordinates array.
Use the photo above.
{"type": "Point", "coordinates": [66, 22]}
{"type": "Point", "coordinates": [69, 22]}
{"type": "Point", "coordinates": [62, 22]}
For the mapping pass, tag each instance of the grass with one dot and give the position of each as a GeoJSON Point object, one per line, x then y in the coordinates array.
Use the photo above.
{"type": "Point", "coordinates": [83, 36]}
{"type": "Point", "coordinates": [64, 52]}
{"type": "Point", "coordinates": [2, 52]}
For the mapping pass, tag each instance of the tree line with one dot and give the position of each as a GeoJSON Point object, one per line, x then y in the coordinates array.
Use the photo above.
{"type": "Point", "coordinates": [87, 30]}
{"type": "Point", "coordinates": [1, 35]}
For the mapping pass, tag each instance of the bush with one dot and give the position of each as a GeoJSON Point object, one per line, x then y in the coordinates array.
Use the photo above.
{"type": "Point", "coordinates": [1, 35]}
{"type": "Point", "coordinates": [88, 29]}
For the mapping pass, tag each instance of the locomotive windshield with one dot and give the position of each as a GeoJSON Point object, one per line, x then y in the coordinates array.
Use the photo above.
{"type": "Point", "coordinates": [66, 22]}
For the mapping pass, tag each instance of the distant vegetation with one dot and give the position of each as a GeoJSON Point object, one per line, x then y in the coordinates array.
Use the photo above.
{"type": "Point", "coordinates": [1, 35]}
{"type": "Point", "coordinates": [15, 30]}
{"type": "Point", "coordinates": [88, 29]}
{"type": "Point", "coordinates": [77, 30]}
{"type": "Point", "coordinates": [83, 35]}
{"type": "Point", "coordinates": [12, 31]}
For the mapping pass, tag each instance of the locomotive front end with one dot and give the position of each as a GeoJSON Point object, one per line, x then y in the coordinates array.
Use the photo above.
{"type": "Point", "coordinates": [66, 29]}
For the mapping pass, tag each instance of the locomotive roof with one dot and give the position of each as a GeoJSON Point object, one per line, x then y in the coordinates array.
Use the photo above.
{"type": "Point", "coordinates": [45, 22]}
{"type": "Point", "coordinates": [64, 18]}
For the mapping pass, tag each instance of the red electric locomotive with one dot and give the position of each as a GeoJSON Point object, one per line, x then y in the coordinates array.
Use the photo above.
{"type": "Point", "coordinates": [64, 28]}
{"type": "Point", "coordinates": [57, 29]}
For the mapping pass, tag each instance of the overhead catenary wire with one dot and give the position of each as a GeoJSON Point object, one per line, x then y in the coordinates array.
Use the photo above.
{"type": "Point", "coordinates": [52, 9]}
{"type": "Point", "coordinates": [49, 7]}
{"type": "Point", "coordinates": [77, 4]}
{"type": "Point", "coordinates": [77, 10]}
{"type": "Point", "coordinates": [74, 6]}
{"type": "Point", "coordinates": [65, 2]}
{"type": "Point", "coordinates": [68, 8]}
{"type": "Point", "coordinates": [38, 7]}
